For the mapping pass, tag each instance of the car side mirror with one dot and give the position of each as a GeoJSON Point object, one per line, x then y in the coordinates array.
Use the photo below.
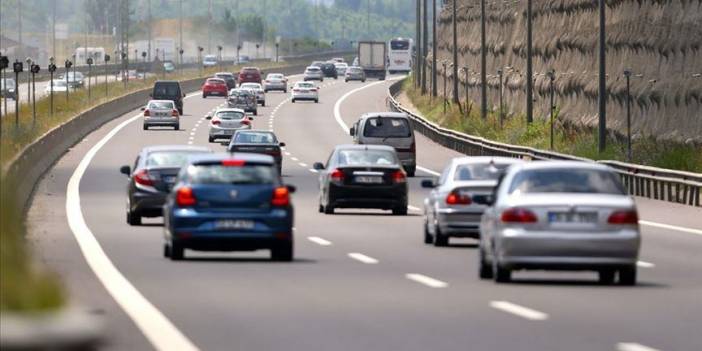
{"type": "Point", "coordinates": [318, 166]}
{"type": "Point", "coordinates": [125, 170]}
{"type": "Point", "coordinates": [352, 131]}
{"type": "Point", "coordinates": [143, 108]}
{"type": "Point", "coordinates": [281, 144]}
{"type": "Point", "coordinates": [291, 188]}
{"type": "Point", "coordinates": [428, 184]}
{"type": "Point", "coordinates": [208, 117]}
{"type": "Point", "coordinates": [251, 118]}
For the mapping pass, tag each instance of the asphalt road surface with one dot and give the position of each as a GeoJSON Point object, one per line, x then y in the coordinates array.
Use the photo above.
{"type": "Point", "coordinates": [361, 280]}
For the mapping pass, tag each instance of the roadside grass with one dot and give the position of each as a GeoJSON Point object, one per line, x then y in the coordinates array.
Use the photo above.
{"type": "Point", "coordinates": [568, 139]}
{"type": "Point", "coordinates": [24, 286]}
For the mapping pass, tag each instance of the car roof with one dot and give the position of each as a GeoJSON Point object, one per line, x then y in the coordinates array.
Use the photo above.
{"type": "Point", "coordinates": [558, 164]}
{"type": "Point", "coordinates": [259, 158]}
{"type": "Point", "coordinates": [312, 67]}
{"type": "Point", "coordinates": [465, 160]}
{"type": "Point", "coordinates": [224, 74]}
{"type": "Point", "coordinates": [385, 114]}
{"type": "Point", "coordinates": [171, 101]}
{"type": "Point", "coordinates": [229, 109]}
{"type": "Point", "coordinates": [364, 147]}
{"type": "Point", "coordinates": [161, 148]}
{"type": "Point", "coordinates": [158, 82]}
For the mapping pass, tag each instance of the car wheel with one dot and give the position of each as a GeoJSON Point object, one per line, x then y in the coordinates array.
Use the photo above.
{"type": "Point", "coordinates": [439, 239]}
{"type": "Point", "coordinates": [411, 171]}
{"type": "Point", "coordinates": [293, 101]}
{"type": "Point", "coordinates": [606, 276]}
{"type": "Point", "coordinates": [363, 80]}
{"type": "Point", "coordinates": [255, 112]}
{"type": "Point", "coordinates": [328, 209]}
{"type": "Point", "coordinates": [133, 218]}
{"type": "Point", "coordinates": [176, 127]}
{"type": "Point", "coordinates": [501, 274]}
{"type": "Point", "coordinates": [166, 251]}
{"type": "Point", "coordinates": [321, 208]}
{"type": "Point", "coordinates": [263, 104]}
{"type": "Point", "coordinates": [316, 101]}
{"type": "Point", "coordinates": [485, 270]}
{"type": "Point", "coordinates": [428, 239]}
{"type": "Point", "coordinates": [204, 96]}
{"type": "Point", "coordinates": [282, 253]}
{"type": "Point", "coordinates": [180, 111]}
{"type": "Point", "coordinates": [346, 80]}
{"type": "Point", "coordinates": [211, 139]}
{"type": "Point", "coordinates": [627, 276]}
{"type": "Point", "coordinates": [177, 251]}
{"type": "Point", "coordinates": [399, 211]}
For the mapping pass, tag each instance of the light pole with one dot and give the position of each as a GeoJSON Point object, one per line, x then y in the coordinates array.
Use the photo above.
{"type": "Point", "coordinates": [52, 69]}
{"type": "Point", "coordinates": [483, 63]}
{"type": "Point", "coordinates": [277, 45]}
{"type": "Point", "coordinates": [434, 88]}
{"type": "Point", "coordinates": [238, 49]}
{"type": "Point", "coordinates": [67, 64]}
{"type": "Point", "coordinates": [18, 68]}
{"type": "Point", "coordinates": [551, 74]}
{"type": "Point", "coordinates": [4, 64]}
{"type": "Point", "coordinates": [425, 39]}
{"type": "Point", "coordinates": [143, 56]}
{"type": "Point", "coordinates": [200, 49]}
{"type": "Point", "coordinates": [180, 52]}
{"type": "Point", "coordinates": [627, 74]}
{"type": "Point", "coordinates": [443, 63]}
{"type": "Point", "coordinates": [89, 61]}
{"type": "Point", "coordinates": [465, 87]}
{"type": "Point", "coordinates": [602, 100]}
{"type": "Point", "coordinates": [29, 63]}
{"type": "Point", "coordinates": [529, 69]}
{"type": "Point", "coordinates": [417, 43]}
{"type": "Point", "coordinates": [502, 115]}
{"type": "Point", "coordinates": [34, 69]}
{"type": "Point", "coordinates": [219, 49]}
{"type": "Point", "coordinates": [257, 46]}
{"type": "Point", "coordinates": [455, 55]}
{"type": "Point", "coordinates": [107, 59]}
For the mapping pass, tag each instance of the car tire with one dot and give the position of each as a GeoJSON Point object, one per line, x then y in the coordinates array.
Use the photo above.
{"type": "Point", "coordinates": [211, 139]}
{"type": "Point", "coordinates": [146, 127]}
{"type": "Point", "coordinates": [204, 96]}
{"type": "Point", "coordinates": [263, 104]}
{"type": "Point", "coordinates": [363, 80]}
{"type": "Point", "coordinates": [606, 276]}
{"type": "Point", "coordinates": [282, 253]}
{"type": "Point", "coordinates": [411, 171]}
{"type": "Point", "coordinates": [316, 101]}
{"type": "Point", "coordinates": [133, 218]}
{"type": "Point", "coordinates": [439, 239]}
{"type": "Point", "coordinates": [485, 270]}
{"type": "Point", "coordinates": [501, 274]}
{"type": "Point", "coordinates": [428, 239]}
{"type": "Point", "coordinates": [285, 91]}
{"type": "Point", "coordinates": [166, 251]}
{"type": "Point", "coordinates": [346, 80]}
{"type": "Point", "coordinates": [627, 276]}
{"type": "Point", "coordinates": [180, 111]}
{"type": "Point", "coordinates": [328, 209]}
{"type": "Point", "coordinates": [176, 127]}
{"type": "Point", "coordinates": [293, 101]}
{"type": "Point", "coordinates": [399, 211]}
{"type": "Point", "coordinates": [177, 251]}
{"type": "Point", "coordinates": [321, 208]}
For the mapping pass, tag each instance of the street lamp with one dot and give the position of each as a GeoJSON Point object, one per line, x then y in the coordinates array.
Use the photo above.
{"type": "Point", "coordinates": [4, 63]}
{"type": "Point", "coordinates": [52, 69]}
{"type": "Point", "coordinates": [180, 52]}
{"type": "Point", "coordinates": [466, 71]}
{"type": "Point", "coordinates": [444, 63]}
{"type": "Point", "coordinates": [258, 46]}
{"type": "Point", "coordinates": [551, 74]}
{"type": "Point", "coordinates": [219, 50]}
{"type": "Point", "coordinates": [238, 49]}
{"type": "Point", "coordinates": [29, 63]}
{"type": "Point", "coordinates": [277, 45]}
{"type": "Point", "coordinates": [627, 74]}
{"type": "Point", "coordinates": [199, 56]}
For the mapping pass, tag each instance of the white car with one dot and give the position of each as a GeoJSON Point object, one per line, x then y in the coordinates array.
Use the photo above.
{"type": "Point", "coordinates": [258, 89]}
{"type": "Point", "coordinates": [305, 91]}
{"type": "Point", "coordinates": [341, 68]}
{"type": "Point", "coordinates": [313, 73]}
{"type": "Point", "coordinates": [226, 121]}
{"type": "Point", "coordinates": [161, 113]}
{"type": "Point", "coordinates": [209, 61]}
{"type": "Point", "coordinates": [60, 86]}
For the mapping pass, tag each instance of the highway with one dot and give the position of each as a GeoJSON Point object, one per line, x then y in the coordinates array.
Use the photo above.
{"type": "Point", "coordinates": [360, 280]}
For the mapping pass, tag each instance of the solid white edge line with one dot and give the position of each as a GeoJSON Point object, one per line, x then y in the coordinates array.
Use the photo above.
{"type": "Point", "coordinates": [429, 171]}
{"type": "Point", "coordinates": [518, 310]}
{"type": "Point", "coordinates": [319, 241]}
{"type": "Point", "coordinates": [671, 227]}
{"type": "Point", "coordinates": [428, 281]}
{"type": "Point", "coordinates": [157, 328]}
{"type": "Point", "coordinates": [362, 258]}
{"type": "Point", "coordinates": [632, 346]}
{"type": "Point", "coordinates": [644, 264]}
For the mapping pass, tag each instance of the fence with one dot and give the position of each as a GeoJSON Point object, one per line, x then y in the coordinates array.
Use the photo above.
{"type": "Point", "coordinates": [650, 182]}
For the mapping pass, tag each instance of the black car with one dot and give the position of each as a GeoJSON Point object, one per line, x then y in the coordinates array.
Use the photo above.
{"type": "Point", "coordinates": [228, 78]}
{"type": "Point", "coordinates": [362, 176]}
{"type": "Point", "coordinates": [257, 142]}
{"type": "Point", "coordinates": [329, 70]}
{"type": "Point", "coordinates": [169, 90]}
{"type": "Point", "coordinates": [155, 171]}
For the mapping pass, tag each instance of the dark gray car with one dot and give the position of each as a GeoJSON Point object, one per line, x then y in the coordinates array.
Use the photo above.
{"type": "Point", "coordinates": [391, 129]}
{"type": "Point", "coordinates": [151, 178]}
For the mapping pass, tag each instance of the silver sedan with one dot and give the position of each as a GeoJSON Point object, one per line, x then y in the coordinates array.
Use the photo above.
{"type": "Point", "coordinates": [258, 90]}
{"type": "Point", "coordinates": [451, 209]}
{"type": "Point", "coordinates": [560, 215]}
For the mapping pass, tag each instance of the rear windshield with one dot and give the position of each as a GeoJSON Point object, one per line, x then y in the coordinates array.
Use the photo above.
{"type": "Point", "coordinates": [567, 181]}
{"type": "Point", "coordinates": [485, 171]}
{"type": "Point", "coordinates": [250, 70]}
{"type": "Point", "coordinates": [218, 174]}
{"type": "Point", "coordinates": [399, 45]}
{"type": "Point", "coordinates": [313, 69]}
{"type": "Point", "coordinates": [230, 115]}
{"type": "Point", "coordinates": [161, 105]}
{"type": "Point", "coordinates": [366, 157]}
{"type": "Point", "coordinates": [215, 81]}
{"type": "Point", "coordinates": [225, 76]}
{"type": "Point", "coordinates": [168, 89]}
{"type": "Point", "coordinates": [386, 127]}
{"type": "Point", "coordinates": [170, 159]}
{"type": "Point", "coordinates": [275, 76]}
{"type": "Point", "coordinates": [254, 138]}
{"type": "Point", "coordinates": [305, 85]}
{"type": "Point", "coordinates": [354, 70]}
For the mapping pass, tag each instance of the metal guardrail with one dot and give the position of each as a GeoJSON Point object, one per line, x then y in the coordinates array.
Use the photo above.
{"type": "Point", "coordinates": [650, 182]}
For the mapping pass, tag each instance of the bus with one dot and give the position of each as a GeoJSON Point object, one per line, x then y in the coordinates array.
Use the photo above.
{"type": "Point", "coordinates": [400, 55]}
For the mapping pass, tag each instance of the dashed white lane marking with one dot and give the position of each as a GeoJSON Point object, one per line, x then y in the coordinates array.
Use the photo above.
{"type": "Point", "coordinates": [671, 227]}
{"type": "Point", "coordinates": [160, 331]}
{"type": "Point", "coordinates": [413, 208]}
{"type": "Point", "coordinates": [428, 281]}
{"type": "Point", "coordinates": [314, 170]}
{"type": "Point", "coordinates": [319, 241]}
{"type": "Point", "coordinates": [302, 164]}
{"type": "Point", "coordinates": [632, 346]}
{"type": "Point", "coordinates": [644, 264]}
{"type": "Point", "coordinates": [518, 310]}
{"type": "Point", "coordinates": [294, 159]}
{"type": "Point", "coordinates": [363, 258]}
{"type": "Point", "coordinates": [287, 153]}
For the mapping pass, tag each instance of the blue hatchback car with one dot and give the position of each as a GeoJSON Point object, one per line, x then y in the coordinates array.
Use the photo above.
{"type": "Point", "coordinates": [229, 202]}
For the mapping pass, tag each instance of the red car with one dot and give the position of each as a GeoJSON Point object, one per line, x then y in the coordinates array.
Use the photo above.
{"type": "Point", "coordinates": [214, 86]}
{"type": "Point", "coordinates": [250, 75]}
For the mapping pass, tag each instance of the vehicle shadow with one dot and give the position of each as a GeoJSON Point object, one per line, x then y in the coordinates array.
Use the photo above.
{"type": "Point", "coordinates": [245, 260]}
{"type": "Point", "coordinates": [463, 246]}
{"type": "Point", "coordinates": [388, 214]}
{"type": "Point", "coordinates": [581, 282]}
{"type": "Point", "coordinates": [160, 224]}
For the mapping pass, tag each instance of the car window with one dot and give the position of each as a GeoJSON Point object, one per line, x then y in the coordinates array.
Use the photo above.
{"type": "Point", "coordinates": [444, 175]}
{"type": "Point", "coordinates": [166, 90]}
{"type": "Point", "coordinates": [215, 81]}
{"type": "Point", "coordinates": [305, 85]}
{"type": "Point", "coordinates": [481, 171]}
{"type": "Point", "coordinates": [386, 127]}
{"type": "Point", "coordinates": [255, 138]}
{"type": "Point", "coordinates": [563, 180]}
{"type": "Point", "coordinates": [161, 105]}
{"type": "Point", "coordinates": [10, 82]}
{"type": "Point", "coordinates": [168, 158]}
{"type": "Point", "coordinates": [366, 157]}
{"type": "Point", "coordinates": [220, 174]}
{"type": "Point", "coordinates": [230, 115]}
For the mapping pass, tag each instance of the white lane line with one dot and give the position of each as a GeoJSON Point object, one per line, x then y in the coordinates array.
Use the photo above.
{"type": "Point", "coordinates": [413, 208]}
{"type": "Point", "coordinates": [428, 281]}
{"type": "Point", "coordinates": [671, 227]}
{"type": "Point", "coordinates": [294, 159]}
{"type": "Point", "coordinates": [632, 346]}
{"type": "Point", "coordinates": [287, 153]}
{"type": "Point", "coordinates": [160, 331]}
{"type": "Point", "coordinates": [644, 264]}
{"type": "Point", "coordinates": [518, 310]}
{"type": "Point", "coordinates": [363, 258]}
{"type": "Point", "coordinates": [303, 164]}
{"type": "Point", "coordinates": [427, 170]}
{"type": "Point", "coordinates": [337, 106]}
{"type": "Point", "coordinates": [319, 241]}
{"type": "Point", "coordinates": [314, 170]}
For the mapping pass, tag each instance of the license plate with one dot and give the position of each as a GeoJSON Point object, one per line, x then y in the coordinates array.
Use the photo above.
{"type": "Point", "coordinates": [572, 217]}
{"type": "Point", "coordinates": [162, 114]}
{"type": "Point", "coordinates": [368, 180]}
{"type": "Point", "coordinates": [169, 179]}
{"type": "Point", "coordinates": [234, 224]}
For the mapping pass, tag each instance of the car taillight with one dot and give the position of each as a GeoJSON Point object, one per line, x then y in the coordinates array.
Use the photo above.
{"type": "Point", "coordinates": [233, 163]}
{"type": "Point", "coordinates": [185, 196]}
{"type": "Point", "coordinates": [518, 215]}
{"type": "Point", "coordinates": [246, 122]}
{"type": "Point", "coordinates": [147, 113]}
{"type": "Point", "coordinates": [627, 217]}
{"type": "Point", "coordinates": [174, 113]}
{"type": "Point", "coordinates": [296, 90]}
{"type": "Point", "coordinates": [143, 177]}
{"type": "Point", "coordinates": [281, 197]}
{"type": "Point", "coordinates": [456, 198]}
{"type": "Point", "coordinates": [399, 177]}
{"type": "Point", "coordinates": [216, 122]}
{"type": "Point", "coordinates": [337, 176]}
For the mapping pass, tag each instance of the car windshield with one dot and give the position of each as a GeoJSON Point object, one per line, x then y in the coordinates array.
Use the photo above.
{"type": "Point", "coordinates": [161, 105]}
{"type": "Point", "coordinates": [168, 65]}
{"type": "Point", "coordinates": [387, 127]}
{"type": "Point", "coordinates": [210, 58]}
{"type": "Point", "coordinates": [366, 157]}
{"type": "Point", "coordinates": [59, 83]}
{"type": "Point", "coordinates": [230, 115]}
{"type": "Point", "coordinates": [9, 82]}
{"type": "Point", "coordinates": [166, 90]}
{"type": "Point", "coordinates": [482, 171]}
{"type": "Point", "coordinates": [564, 180]}
{"type": "Point", "coordinates": [255, 138]}
{"type": "Point", "coordinates": [220, 174]}
{"type": "Point", "coordinates": [170, 159]}
{"type": "Point", "coordinates": [224, 76]}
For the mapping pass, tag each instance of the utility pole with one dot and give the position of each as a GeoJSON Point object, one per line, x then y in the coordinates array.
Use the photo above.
{"type": "Point", "coordinates": [434, 88]}
{"type": "Point", "coordinates": [209, 27]}
{"type": "Point", "coordinates": [455, 55]}
{"type": "Point", "coordinates": [368, 19]}
{"type": "Point", "coordinates": [53, 29]}
{"type": "Point", "coordinates": [417, 44]}
{"type": "Point", "coordinates": [483, 63]}
{"type": "Point", "coordinates": [425, 39]}
{"type": "Point", "coordinates": [180, 29]}
{"type": "Point", "coordinates": [263, 24]}
{"type": "Point", "coordinates": [530, 69]}
{"type": "Point", "coordinates": [148, 27]}
{"type": "Point", "coordinates": [602, 130]}
{"type": "Point", "coordinates": [20, 48]}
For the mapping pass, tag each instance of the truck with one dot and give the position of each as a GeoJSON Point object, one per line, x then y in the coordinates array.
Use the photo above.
{"type": "Point", "coordinates": [373, 58]}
